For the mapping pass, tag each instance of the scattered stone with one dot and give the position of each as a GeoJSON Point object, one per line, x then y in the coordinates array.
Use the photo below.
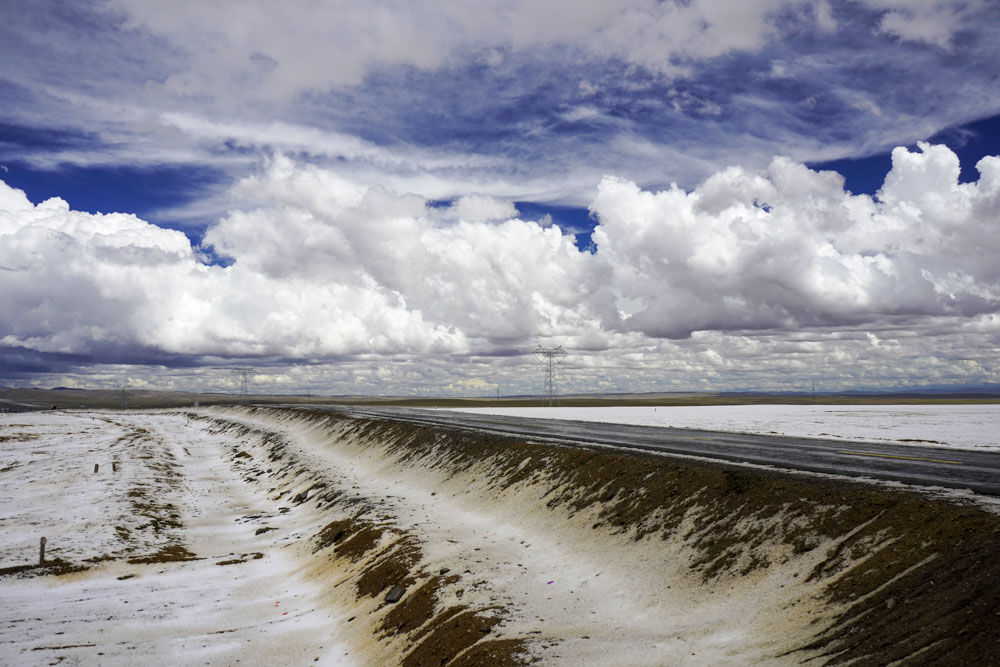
{"type": "Point", "coordinates": [444, 570]}
{"type": "Point", "coordinates": [395, 594]}
{"type": "Point", "coordinates": [261, 531]}
{"type": "Point", "coordinates": [890, 603]}
{"type": "Point", "coordinates": [806, 545]}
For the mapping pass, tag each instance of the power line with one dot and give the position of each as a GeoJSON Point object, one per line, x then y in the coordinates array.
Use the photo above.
{"type": "Point", "coordinates": [550, 357]}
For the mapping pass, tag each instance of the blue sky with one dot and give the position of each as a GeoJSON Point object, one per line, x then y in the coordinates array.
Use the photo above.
{"type": "Point", "coordinates": [402, 198]}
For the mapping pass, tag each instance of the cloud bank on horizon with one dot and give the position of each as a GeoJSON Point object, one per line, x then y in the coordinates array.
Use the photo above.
{"type": "Point", "coordinates": [369, 158]}
{"type": "Point", "coordinates": [324, 267]}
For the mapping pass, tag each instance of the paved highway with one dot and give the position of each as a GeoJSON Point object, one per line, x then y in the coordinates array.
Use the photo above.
{"type": "Point", "coordinates": [911, 464]}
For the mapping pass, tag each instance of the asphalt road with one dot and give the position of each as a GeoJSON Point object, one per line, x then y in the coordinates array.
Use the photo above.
{"type": "Point", "coordinates": [910, 464]}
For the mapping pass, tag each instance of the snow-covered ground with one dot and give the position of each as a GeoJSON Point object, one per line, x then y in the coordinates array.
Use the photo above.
{"type": "Point", "coordinates": [966, 426]}
{"type": "Point", "coordinates": [574, 593]}
{"type": "Point", "coordinates": [589, 597]}
{"type": "Point", "coordinates": [161, 482]}
{"type": "Point", "coordinates": [253, 587]}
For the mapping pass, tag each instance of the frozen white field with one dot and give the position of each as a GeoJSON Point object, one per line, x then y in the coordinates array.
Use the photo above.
{"type": "Point", "coordinates": [225, 606]}
{"type": "Point", "coordinates": [966, 426]}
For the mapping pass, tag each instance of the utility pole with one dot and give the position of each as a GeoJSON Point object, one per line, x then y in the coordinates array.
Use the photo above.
{"type": "Point", "coordinates": [123, 396]}
{"type": "Point", "coordinates": [549, 358]}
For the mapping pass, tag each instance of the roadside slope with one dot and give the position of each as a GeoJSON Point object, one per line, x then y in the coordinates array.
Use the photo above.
{"type": "Point", "coordinates": [573, 554]}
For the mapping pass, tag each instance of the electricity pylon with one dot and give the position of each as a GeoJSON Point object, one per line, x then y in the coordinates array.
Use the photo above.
{"type": "Point", "coordinates": [550, 357]}
{"type": "Point", "coordinates": [244, 372]}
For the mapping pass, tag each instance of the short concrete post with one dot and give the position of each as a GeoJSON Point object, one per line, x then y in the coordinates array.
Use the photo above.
{"type": "Point", "coordinates": [96, 465]}
{"type": "Point", "coordinates": [41, 551]}
{"type": "Point", "coordinates": [114, 466]}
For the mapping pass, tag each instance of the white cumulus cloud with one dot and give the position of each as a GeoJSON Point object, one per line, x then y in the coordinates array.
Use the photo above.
{"type": "Point", "coordinates": [789, 247]}
{"type": "Point", "coordinates": [76, 282]}
{"type": "Point", "coordinates": [775, 270]}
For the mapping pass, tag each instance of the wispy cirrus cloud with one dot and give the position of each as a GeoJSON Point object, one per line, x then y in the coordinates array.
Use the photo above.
{"type": "Point", "coordinates": [652, 91]}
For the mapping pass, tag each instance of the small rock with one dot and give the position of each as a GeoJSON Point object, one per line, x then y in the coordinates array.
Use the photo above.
{"type": "Point", "coordinates": [808, 544]}
{"type": "Point", "coordinates": [444, 570]}
{"type": "Point", "coordinates": [890, 603]}
{"type": "Point", "coordinates": [459, 593]}
{"type": "Point", "coordinates": [395, 594]}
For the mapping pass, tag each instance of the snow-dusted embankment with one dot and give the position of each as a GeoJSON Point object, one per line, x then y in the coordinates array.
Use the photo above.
{"type": "Point", "coordinates": [498, 550]}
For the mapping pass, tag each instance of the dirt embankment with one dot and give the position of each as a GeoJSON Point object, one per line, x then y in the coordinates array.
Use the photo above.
{"type": "Point", "coordinates": [780, 568]}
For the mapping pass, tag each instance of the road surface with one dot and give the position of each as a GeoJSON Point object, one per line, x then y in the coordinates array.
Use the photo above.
{"type": "Point", "coordinates": [910, 464]}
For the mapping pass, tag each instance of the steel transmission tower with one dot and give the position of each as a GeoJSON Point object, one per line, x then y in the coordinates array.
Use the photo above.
{"type": "Point", "coordinates": [123, 396]}
{"type": "Point", "coordinates": [244, 372]}
{"type": "Point", "coordinates": [550, 357]}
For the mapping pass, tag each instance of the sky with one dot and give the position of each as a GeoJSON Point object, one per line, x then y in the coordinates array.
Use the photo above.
{"type": "Point", "coordinates": [407, 198]}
